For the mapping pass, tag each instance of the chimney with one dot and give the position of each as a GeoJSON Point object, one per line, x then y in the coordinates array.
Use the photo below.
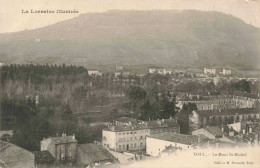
{"type": "Point", "coordinates": [73, 136]}
{"type": "Point", "coordinates": [162, 120]}
{"type": "Point", "coordinates": [244, 131]}
{"type": "Point", "coordinates": [222, 128]}
{"type": "Point", "coordinates": [250, 130]}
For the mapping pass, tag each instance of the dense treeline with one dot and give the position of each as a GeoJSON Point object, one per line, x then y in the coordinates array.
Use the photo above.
{"type": "Point", "coordinates": [39, 74]}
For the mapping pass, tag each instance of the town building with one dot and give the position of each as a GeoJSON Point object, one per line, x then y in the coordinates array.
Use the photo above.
{"type": "Point", "coordinates": [14, 156]}
{"type": "Point", "coordinates": [202, 118]}
{"type": "Point", "coordinates": [226, 72]}
{"type": "Point", "coordinates": [93, 155]}
{"type": "Point", "coordinates": [210, 132]}
{"type": "Point", "coordinates": [94, 72]}
{"type": "Point", "coordinates": [163, 71]}
{"type": "Point", "coordinates": [128, 134]}
{"type": "Point", "coordinates": [157, 143]}
{"type": "Point", "coordinates": [215, 101]}
{"type": "Point", "coordinates": [63, 149]}
{"type": "Point", "coordinates": [211, 71]}
{"type": "Point", "coordinates": [119, 68]}
{"type": "Point", "coordinates": [155, 126]}
{"type": "Point", "coordinates": [124, 138]}
{"type": "Point", "coordinates": [152, 70]}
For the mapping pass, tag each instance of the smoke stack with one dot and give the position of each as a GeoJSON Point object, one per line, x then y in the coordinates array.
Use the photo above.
{"type": "Point", "coordinates": [244, 131]}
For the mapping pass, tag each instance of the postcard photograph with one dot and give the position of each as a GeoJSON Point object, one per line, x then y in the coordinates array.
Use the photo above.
{"type": "Point", "coordinates": [129, 83]}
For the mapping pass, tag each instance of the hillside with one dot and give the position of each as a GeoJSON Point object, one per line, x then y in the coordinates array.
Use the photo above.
{"type": "Point", "coordinates": [138, 37]}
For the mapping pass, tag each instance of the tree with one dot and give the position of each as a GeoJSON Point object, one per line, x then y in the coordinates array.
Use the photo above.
{"type": "Point", "coordinates": [135, 94]}
{"type": "Point", "coordinates": [168, 104]}
{"type": "Point", "coordinates": [183, 117]}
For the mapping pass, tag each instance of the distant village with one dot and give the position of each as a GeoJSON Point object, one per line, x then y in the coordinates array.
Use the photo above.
{"type": "Point", "coordinates": [220, 120]}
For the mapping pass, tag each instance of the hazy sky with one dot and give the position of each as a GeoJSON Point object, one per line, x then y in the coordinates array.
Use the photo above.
{"type": "Point", "coordinates": [11, 18]}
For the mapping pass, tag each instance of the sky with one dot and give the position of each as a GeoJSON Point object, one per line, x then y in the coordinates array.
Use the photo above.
{"type": "Point", "coordinates": [13, 20]}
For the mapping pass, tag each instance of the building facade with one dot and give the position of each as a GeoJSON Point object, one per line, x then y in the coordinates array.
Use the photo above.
{"type": "Point", "coordinates": [127, 134]}
{"type": "Point", "coordinates": [202, 118]}
{"type": "Point", "coordinates": [63, 149]}
{"type": "Point", "coordinates": [211, 71]}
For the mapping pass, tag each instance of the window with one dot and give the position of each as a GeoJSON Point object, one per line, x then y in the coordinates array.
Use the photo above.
{"type": "Point", "coordinates": [119, 133]}
{"type": "Point", "coordinates": [141, 144]}
{"type": "Point", "coordinates": [127, 133]}
{"type": "Point", "coordinates": [131, 138]}
{"type": "Point", "coordinates": [123, 133]}
{"type": "Point", "coordinates": [131, 132]}
{"type": "Point", "coordinates": [104, 138]}
{"type": "Point", "coordinates": [119, 147]}
{"type": "Point", "coordinates": [135, 145]}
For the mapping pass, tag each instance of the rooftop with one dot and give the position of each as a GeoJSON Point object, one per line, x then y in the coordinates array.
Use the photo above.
{"type": "Point", "coordinates": [207, 113]}
{"type": "Point", "coordinates": [91, 153]}
{"type": "Point", "coordinates": [178, 138]}
{"type": "Point", "coordinates": [14, 156]}
{"type": "Point", "coordinates": [140, 125]}
{"type": "Point", "coordinates": [215, 131]}
{"type": "Point", "coordinates": [62, 139]}
{"type": "Point", "coordinates": [42, 157]}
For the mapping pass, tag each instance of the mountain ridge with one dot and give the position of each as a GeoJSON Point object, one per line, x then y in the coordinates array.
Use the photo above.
{"type": "Point", "coordinates": [138, 37]}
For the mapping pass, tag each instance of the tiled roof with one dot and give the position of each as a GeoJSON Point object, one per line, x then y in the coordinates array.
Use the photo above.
{"type": "Point", "coordinates": [215, 131]}
{"type": "Point", "coordinates": [244, 94]}
{"type": "Point", "coordinates": [213, 144]}
{"type": "Point", "coordinates": [178, 138]}
{"type": "Point", "coordinates": [144, 125]}
{"type": "Point", "coordinates": [42, 157]}
{"type": "Point", "coordinates": [91, 153]}
{"type": "Point", "coordinates": [13, 156]}
{"type": "Point", "coordinates": [207, 113]}
{"type": "Point", "coordinates": [63, 139]}
{"type": "Point", "coordinates": [126, 119]}
{"type": "Point", "coordinates": [162, 123]}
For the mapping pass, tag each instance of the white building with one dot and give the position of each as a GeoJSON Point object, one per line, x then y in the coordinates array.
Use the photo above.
{"type": "Point", "coordinates": [129, 134]}
{"type": "Point", "coordinates": [157, 143]}
{"type": "Point", "coordinates": [226, 72]}
{"type": "Point", "coordinates": [210, 71]}
{"type": "Point", "coordinates": [124, 138]}
{"type": "Point", "coordinates": [152, 70]}
{"type": "Point", "coordinates": [94, 72]}
{"type": "Point", "coordinates": [160, 71]}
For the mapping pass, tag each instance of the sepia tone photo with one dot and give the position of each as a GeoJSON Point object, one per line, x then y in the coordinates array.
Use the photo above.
{"type": "Point", "coordinates": [129, 83]}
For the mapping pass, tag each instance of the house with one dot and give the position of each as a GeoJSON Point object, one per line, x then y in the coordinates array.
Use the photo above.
{"type": "Point", "coordinates": [119, 68]}
{"type": "Point", "coordinates": [125, 137]}
{"type": "Point", "coordinates": [210, 132]}
{"type": "Point", "coordinates": [226, 72]}
{"type": "Point", "coordinates": [202, 118]}
{"type": "Point", "coordinates": [152, 70]}
{"type": "Point", "coordinates": [94, 72]}
{"type": "Point", "coordinates": [63, 148]}
{"type": "Point", "coordinates": [15, 157]}
{"type": "Point", "coordinates": [157, 143]}
{"type": "Point", "coordinates": [94, 155]}
{"type": "Point", "coordinates": [211, 71]}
